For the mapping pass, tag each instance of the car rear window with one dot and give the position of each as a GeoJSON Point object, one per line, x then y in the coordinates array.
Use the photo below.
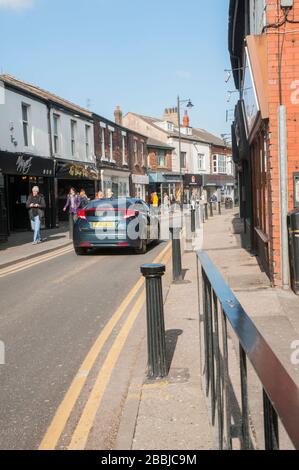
{"type": "Point", "coordinates": [120, 203]}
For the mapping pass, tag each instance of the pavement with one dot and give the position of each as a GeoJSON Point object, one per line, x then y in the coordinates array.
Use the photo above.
{"type": "Point", "coordinates": [19, 245]}
{"type": "Point", "coordinates": [173, 413]}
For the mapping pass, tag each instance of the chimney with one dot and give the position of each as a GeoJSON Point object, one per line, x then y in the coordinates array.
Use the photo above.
{"type": "Point", "coordinates": [186, 120]}
{"type": "Point", "coordinates": [171, 115]}
{"type": "Point", "coordinates": [118, 116]}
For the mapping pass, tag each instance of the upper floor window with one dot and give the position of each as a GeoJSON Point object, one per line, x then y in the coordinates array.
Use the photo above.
{"type": "Point", "coordinates": [142, 153]}
{"type": "Point", "coordinates": [103, 148]}
{"type": "Point", "coordinates": [73, 137]}
{"type": "Point", "coordinates": [111, 144]}
{"type": "Point", "coordinates": [135, 152]}
{"type": "Point", "coordinates": [87, 141]}
{"type": "Point", "coordinates": [219, 164]}
{"type": "Point", "coordinates": [183, 159]}
{"type": "Point", "coordinates": [201, 161]}
{"type": "Point", "coordinates": [25, 119]}
{"type": "Point", "coordinates": [161, 158]}
{"type": "Point", "coordinates": [55, 132]}
{"type": "Point", "coordinates": [124, 149]}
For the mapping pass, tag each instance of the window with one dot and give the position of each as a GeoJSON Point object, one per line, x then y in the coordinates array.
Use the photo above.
{"type": "Point", "coordinates": [161, 158]}
{"type": "Point", "coordinates": [215, 164]}
{"type": "Point", "coordinates": [183, 159]}
{"type": "Point", "coordinates": [201, 161]}
{"type": "Point", "coordinates": [124, 149]}
{"type": "Point", "coordinates": [142, 153]}
{"type": "Point", "coordinates": [135, 152]}
{"type": "Point", "coordinates": [73, 137]}
{"type": "Point", "coordinates": [219, 164]}
{"type": "Point", "coordinates": [25, 109]}
{"type": "Point", "coordinates": [111, 145]}
{"type": "Point", "coordinates": [55, 132]}
{"type": "Point", "coordinates": [103, 143]}
{"type": "Point", "coordinates": [87, 138]}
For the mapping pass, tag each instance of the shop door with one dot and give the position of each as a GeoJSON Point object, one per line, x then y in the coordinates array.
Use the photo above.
{"type": "Point", "coordinates": [3, 211]}
{"type": "Point", "coordinates": [18, 190]}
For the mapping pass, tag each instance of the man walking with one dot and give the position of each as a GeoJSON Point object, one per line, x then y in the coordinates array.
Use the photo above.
{"type": "Point", "coordinates": [36, 206]}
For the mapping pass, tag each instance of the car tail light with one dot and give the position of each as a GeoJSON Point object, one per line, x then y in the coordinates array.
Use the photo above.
{"type": "Point", "coordinates": [81, 213]}
{"type": "Point", "coordinates": [129, 213]}
{"type": "Point", "coordinates": [123, 244]}
{"type": "Point", "coordinates": [85, 244]}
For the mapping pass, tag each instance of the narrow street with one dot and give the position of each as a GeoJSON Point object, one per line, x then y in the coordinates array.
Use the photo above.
{"type": "Point", "coordinates": [51, 314]}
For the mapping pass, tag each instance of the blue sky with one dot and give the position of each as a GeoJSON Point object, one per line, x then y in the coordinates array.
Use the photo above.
{"type": "Point", "coordinates": [139, 54]}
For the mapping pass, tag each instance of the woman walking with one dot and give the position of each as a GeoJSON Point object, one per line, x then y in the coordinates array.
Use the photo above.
{"type": "Point", "coordinates": [72, 204]}
{"type": "Point", "coordinates": [36, 206]}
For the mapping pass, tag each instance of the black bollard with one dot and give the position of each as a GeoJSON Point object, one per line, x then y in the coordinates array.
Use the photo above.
{"type": "Point", "coordinates": [211, 209]}
{"type": "Point", "coordinates": [197, 217]}
{"type": "Point", "coordinates": [219, 208]}
{"type": "Point", "coordinates": [206, 211]}
{"type": "Point", "coordinates": [177, 275]}
{"type": "Point", "coordinates": [156, 345]}
{"type": "Point", "coordinates": [193, 228]}
{"type": "Point", "coordinates": [71, 226]}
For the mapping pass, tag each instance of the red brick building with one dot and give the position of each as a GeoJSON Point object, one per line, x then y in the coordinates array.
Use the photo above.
{"type": "Point", "coordinates": [264, 49]}
{"type": "Point", "coordinates": [121, 158]}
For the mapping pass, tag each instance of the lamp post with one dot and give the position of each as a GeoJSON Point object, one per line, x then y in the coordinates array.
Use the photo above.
{"type": "Point", "coordinates": [189, 105]}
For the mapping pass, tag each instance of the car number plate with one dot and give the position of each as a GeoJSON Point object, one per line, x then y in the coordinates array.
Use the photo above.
{"type": "Point", "coordinates": [103, 224]}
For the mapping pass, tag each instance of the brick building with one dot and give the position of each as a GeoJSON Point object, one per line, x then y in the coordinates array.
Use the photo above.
{"type": "Point", "coordinates": [264, 49]}
{"type": "Point", "coordinates": [121, 157]}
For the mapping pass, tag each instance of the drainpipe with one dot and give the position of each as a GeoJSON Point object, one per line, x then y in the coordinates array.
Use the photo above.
{"type": "Point", "coordinates": [283, 162]}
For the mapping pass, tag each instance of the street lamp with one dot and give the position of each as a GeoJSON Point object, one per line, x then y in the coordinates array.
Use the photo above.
{"type": "Point", "coordinates": [189, 105]}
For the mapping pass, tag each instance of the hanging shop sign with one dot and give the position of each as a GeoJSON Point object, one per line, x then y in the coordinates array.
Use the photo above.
{"type": "Point", "coordinates": [193, 180]}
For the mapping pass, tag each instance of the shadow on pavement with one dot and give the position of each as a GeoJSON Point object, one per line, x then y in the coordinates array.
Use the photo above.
{"type": "Point", "coordinates": [171, 338]}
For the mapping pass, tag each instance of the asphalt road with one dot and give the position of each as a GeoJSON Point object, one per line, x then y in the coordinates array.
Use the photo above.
{"type": "Point", "coordinates": [50, 315]}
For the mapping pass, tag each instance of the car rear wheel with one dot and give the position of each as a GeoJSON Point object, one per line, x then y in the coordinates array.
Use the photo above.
{"type": "Point", "coordinates": [142, 248]}
{"type": "Point", "coordinates": [80, 251]}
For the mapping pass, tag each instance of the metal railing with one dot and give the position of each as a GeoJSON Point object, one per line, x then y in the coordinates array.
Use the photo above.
{"type": "Point", "coordinates": [219, 308]}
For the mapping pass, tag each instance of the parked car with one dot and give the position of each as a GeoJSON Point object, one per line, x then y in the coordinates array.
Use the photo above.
{"type": "Point", "coordinates": [122, 222]}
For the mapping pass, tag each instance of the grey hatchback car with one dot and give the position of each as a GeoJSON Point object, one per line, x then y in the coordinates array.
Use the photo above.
{"type": "Point", "coordinates": [121, 222]}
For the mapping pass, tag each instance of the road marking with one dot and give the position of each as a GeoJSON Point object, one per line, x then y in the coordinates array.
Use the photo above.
{"type": "Point", "coordinates": [80, 436]}
{"type": "Point", "coordinates": [64, 410]}
{"type": "Point", "coordinates": [81, 433]}
{"type": "Point", "coordinates": [33, 262]}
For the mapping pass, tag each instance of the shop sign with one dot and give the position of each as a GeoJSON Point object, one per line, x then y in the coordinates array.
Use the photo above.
{"type": "Point", "coordinates": [140, 179]}
{"type": "Point", "coordinates": [75, 170]}
{"type": "Point", "coordinates": [13, 164]}
{"type": "Point", "coordinates": [193, 180]}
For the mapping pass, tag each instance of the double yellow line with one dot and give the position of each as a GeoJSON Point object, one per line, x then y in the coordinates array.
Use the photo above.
{"type": "Point", "coordinates": [82, 430]}
{"type": "Point", "coordinates": [34, 261]}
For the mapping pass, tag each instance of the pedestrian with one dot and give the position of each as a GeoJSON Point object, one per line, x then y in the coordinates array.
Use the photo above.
{"type": "Point", "coordinates": [99, 195]}
{"type": "Point", "coordinates": [155, 200]}
{"type": "Point", "coordinates": [72, 204]}
{"type": "Point", "coordinates": [84, 200]}
{"type": "Point", "coordinates": [166, 203]}
{"type": "Point", "coordinates": [36, 206]}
